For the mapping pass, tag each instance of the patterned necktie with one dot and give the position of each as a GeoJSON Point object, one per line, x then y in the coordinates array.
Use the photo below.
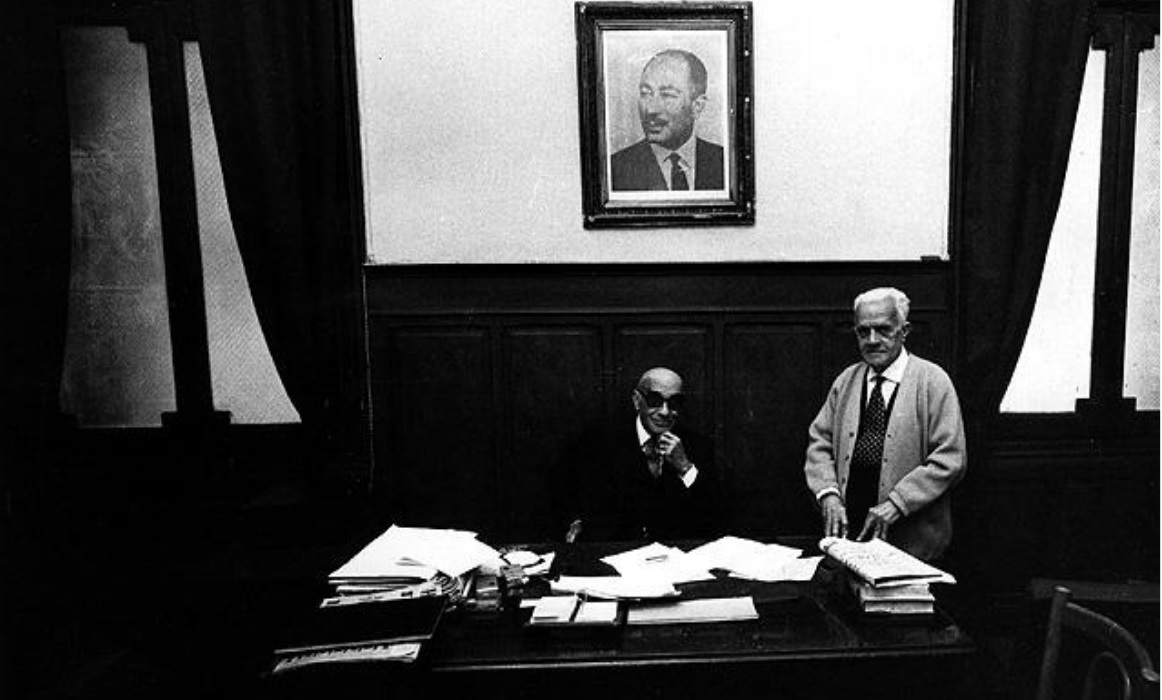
{"type": "Point", "coordinates": [863, 489]}
{"type": "Point", "coordinates": [653, 456]}
{"type": "Point", "coordinates": [677, 175]}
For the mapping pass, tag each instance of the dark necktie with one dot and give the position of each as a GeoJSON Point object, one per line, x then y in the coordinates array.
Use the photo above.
{"type": "Point", "coordinates": [863, 489]}
{"type": "Point", "coordinates": [677, 175]}
{"type": "Point", "coordinates": [653, 457]}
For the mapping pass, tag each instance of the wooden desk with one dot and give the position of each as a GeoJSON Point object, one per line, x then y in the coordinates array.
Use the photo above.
{"type": "Point", "coordinates": [806, 643]}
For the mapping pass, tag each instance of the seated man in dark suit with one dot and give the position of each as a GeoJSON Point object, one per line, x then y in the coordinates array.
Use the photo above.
{"type": "Point", "coordinates": [671, 97]}
{"type": "Point", "coordinates": [640, 477]}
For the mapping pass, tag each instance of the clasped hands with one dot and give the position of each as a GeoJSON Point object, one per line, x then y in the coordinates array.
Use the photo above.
{"type": "Point", "coordinates": [669, 447]}
{"type": "Point", "coordinates": [879, 518]}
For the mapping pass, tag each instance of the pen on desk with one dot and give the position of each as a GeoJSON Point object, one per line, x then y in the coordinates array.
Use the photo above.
{"type": "Point", "coordinates": [579, 598]}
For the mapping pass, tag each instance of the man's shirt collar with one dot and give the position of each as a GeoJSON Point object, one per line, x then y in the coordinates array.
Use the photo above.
{"type": "Point", "coordinates": [895, 371]}
{"type": "Point", "coordinates": [643, 435]}
{"type": "Point", "coordinates": [686, 151]}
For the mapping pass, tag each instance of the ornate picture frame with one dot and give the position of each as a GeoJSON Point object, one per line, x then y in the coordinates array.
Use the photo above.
{"type": "Point", "coordinates": [665, 93]}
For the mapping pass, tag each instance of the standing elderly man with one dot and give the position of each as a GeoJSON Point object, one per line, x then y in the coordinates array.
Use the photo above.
{"type": "Point", "coordinates": [671, 97]}
{"type": "Point", "coordinates": [888, 445]}
{"type": "Point", "coordinates": [641, 477]}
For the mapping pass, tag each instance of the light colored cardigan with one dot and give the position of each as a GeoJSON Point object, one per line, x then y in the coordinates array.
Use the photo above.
{"type": "Point", "coordinates": [924, 452]}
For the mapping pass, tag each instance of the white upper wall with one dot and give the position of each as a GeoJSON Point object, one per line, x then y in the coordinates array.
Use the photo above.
{"type": "Point", "coordinates": [471, 148]}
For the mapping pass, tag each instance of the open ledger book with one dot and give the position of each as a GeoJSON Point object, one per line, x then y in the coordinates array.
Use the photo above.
{"type": "Point", "coordinates": [881, 564]}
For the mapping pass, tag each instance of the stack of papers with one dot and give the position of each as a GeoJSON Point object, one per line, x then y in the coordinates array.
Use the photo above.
{"type": "Point", "coordinates": [412, 561]}
{"type": "Point", "coordinates": [749, 559]}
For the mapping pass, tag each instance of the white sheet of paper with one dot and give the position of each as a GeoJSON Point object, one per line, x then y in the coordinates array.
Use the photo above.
{"type": "Point", "coordinates": [597, 611]}
{"type": "Point", "coordinates": [791, 570]}
{"type": "Point", "coordinates": [702, 610]}
{"type": "Point", "coordinates": [615, 587]}
{"type": "Point", "coordinates": [659, 561]}
{"type": "Point", "coordinates": [745, 558]}
{"type": "Point", "coordinates": [554, 609]}
{"type": "Point", "coordinates": [801, 569]}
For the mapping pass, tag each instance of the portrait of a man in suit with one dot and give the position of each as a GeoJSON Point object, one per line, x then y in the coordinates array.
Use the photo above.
{"type": "Point", "coordinates": [671, 156]}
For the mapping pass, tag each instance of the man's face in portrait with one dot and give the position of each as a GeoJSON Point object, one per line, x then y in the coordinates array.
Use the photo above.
{"type": "Point", "coordinates": [666, 104]}
{"type": "Point", "coordinates": [880, 333]}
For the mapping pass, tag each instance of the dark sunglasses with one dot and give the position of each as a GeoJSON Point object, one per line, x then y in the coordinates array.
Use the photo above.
{"type": "Point", "coordinates": [655, 400]}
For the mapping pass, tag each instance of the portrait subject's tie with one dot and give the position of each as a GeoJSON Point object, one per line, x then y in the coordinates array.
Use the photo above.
{"type": "Point", "coordinates": [677, 175]}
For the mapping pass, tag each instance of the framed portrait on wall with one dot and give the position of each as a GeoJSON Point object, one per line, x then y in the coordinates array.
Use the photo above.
{"type": "Point", "coordinates": [666, 113]}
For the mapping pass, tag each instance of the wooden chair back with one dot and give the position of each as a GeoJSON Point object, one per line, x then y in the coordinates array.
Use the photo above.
{"type": "Point", "coordinates": [1120, 658]}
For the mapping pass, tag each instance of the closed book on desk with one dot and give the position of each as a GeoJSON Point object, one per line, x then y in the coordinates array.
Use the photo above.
{"type": "Point", "coordinates": [905, 599]}
{"type": "Point", "coordinates": [910, 591]}
{"type": "Point", "coordinates": [363, 625]}
{"type": "Point", "coordinates": [899, 607]}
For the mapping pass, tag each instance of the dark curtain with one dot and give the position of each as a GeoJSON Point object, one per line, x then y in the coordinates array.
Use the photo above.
{"type": "Point", "coordinates": [35, 239]}
{"type": "Point", "coordinates": [35, 230]}
{"type": "Point", "coordinates": [274, 74]}
{"type": "Point", "coordinates": [1026, 61]}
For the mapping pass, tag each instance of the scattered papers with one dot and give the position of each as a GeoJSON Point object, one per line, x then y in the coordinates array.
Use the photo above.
{"type": "Point", "coordinates": [660, 562]}
{"type": "Point", "coordinates": [703, 610]}
{"type": "Point", "coordinates": [800, 569]}
{"type": "Point", "coordinates": [753, 560]}
{"type": "Point", "coordinates": [615, 587]}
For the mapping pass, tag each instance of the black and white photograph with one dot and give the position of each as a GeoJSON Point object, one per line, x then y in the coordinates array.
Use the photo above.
{"type": "Point", "coordinates": [581, 350]}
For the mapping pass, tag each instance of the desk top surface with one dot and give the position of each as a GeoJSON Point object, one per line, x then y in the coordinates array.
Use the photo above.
{"type": "Point", "coordinates": [797, 621]}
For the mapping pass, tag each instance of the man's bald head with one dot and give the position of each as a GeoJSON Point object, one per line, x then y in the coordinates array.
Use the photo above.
{"type": "Point", "coordinates": [658, 399]}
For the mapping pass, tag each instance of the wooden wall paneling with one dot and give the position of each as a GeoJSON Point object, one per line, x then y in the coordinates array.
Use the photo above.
{"type": "Point", "coordinates": [554, 385]}
{"type": "Point", "coordinates": [520, 357]}
{"type": "Point", "coordinates": [437, 440]}
{"type": "Point", "coordinates": [771, 393]}
{"type": "Point", "coordinates": [686, 346]}
{"type": "Point", "coordinates": [1062, 508]}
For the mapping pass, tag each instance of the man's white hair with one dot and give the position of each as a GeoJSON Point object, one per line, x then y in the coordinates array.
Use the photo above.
{"type": "Point", "coordinates": [880, 293]}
